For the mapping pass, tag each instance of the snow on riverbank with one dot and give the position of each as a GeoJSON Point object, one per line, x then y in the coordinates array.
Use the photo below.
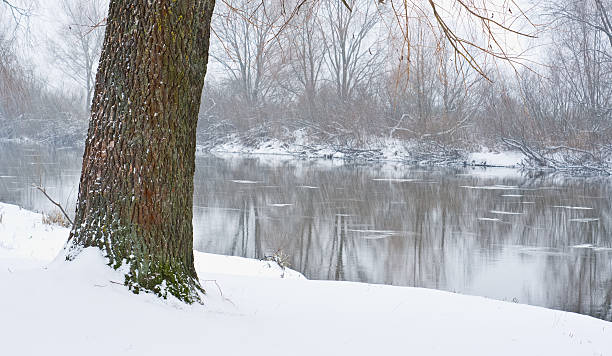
{"type": "Point", "coordinates": [77, 308]}
{"type": "Point", "coordinates": [392, 150]}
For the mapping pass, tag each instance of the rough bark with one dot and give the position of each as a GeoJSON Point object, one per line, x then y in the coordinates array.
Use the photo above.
{"type": "Point", "coordinates": [136, 188]}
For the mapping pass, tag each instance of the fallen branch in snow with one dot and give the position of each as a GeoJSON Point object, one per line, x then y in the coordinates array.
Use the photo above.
{"type": "Point", "coordinates": [530, 153]}
{"type": "Point", "coordinates": [317, 128]}
{"type": "Point", "coordinates": [280, 258]}
{"type": "Point", "coordinates": [462, 124]}
{"type": "Point", "coordinates": [586, 162]}
{"type": "Point", "coordinates": [217, 284]}
{"type": "Point", "coordinates": [558, 148]}
{"type": "Point", "coordinates": [437, 154]}
{"type": "Point", "coordinates": [220, 291]}
{"type": "Point", "coordinates": [354, 153]}
{"type": "Point", "coordinates": [42, 190]}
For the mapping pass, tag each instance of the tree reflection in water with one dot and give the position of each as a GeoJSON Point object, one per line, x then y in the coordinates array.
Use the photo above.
{"type": "Point", "coordinates": [509, 237]}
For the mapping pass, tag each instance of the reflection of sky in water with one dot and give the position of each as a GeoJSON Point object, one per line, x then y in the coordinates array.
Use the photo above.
{"type": "Point", "coordinates": [496, 233]}
{"type": "Point", "coordinates": [57, 170]}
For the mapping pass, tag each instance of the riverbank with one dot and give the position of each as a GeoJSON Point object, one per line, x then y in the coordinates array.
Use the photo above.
{"type": "Point", "coordinates": [377, 150]}
{"type": "Point", "coordinates": [52, 307]}
{"type": "Point", "coordinates": [508, 153]}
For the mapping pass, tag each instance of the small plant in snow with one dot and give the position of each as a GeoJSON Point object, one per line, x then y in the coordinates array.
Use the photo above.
{"type": "Point", "coordinates": [279, 257]}
{"type": "Point", "coordinates": [55, 218]}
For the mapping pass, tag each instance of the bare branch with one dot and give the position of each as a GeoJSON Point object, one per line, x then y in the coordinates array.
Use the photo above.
{"type": "Point", "coordinates": [42, 190]}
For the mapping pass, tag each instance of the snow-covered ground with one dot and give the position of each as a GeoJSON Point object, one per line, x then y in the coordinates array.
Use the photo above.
{"type": "Point", "coordinates": [392, 150]}
{"type": "Point", "coordinates": [52, 307]}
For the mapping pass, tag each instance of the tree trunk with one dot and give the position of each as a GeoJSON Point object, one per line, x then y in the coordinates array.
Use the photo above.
{"type": "Point", "coordinates": [136, 188]}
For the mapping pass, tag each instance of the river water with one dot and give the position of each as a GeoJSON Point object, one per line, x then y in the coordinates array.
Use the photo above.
{"type": "Point", "coordinates": [528, 238]}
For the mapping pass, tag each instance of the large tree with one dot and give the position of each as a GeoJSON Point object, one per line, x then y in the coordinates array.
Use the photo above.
{"type": "Point", "coordinates": [136, 187]}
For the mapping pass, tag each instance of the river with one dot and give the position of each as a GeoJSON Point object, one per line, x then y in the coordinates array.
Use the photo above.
{"type": "Point", "coordinates": [522, 237]}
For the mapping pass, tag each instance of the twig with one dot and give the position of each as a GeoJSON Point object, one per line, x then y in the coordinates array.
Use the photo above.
{"type": "Point", "coordinates": [16, 10]}
{"type": "Point", "coordinates": [220, 291]}
{"type": "Point", "coordinates": [557, 148]}
{"type": "Point", "coordinates": [217, 284]}
{"type": "Point", "coordinates": [93, 27]}
{"type": "Point", "coordinates": [54, 202]}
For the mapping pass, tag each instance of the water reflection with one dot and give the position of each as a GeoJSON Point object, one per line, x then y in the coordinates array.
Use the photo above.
{"type": "Point", "coordinates": [56, 168]}
{"type": "Point", "coordinates": [533, 239]}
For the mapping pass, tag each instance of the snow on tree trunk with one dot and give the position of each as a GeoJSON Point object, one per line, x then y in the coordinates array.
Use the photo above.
{"type": "Point", "coordinates": [136, 188]}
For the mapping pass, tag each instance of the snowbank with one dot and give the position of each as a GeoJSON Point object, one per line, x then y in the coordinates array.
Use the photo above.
{"type": "Point", "coordinates": [26, 242]}
{"type": "Point", "coordinates": [81, 308]}
{"type": "Point", "coordinates": [385, 150]}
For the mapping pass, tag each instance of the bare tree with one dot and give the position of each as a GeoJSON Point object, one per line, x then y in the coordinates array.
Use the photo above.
{"type": "Point", "coordinates": [606, 22]}
{"type": "Point", "coordinates": [78, 50]}
{"type": "Point", "coordinates": [13, 77]}
{"type": "Point", "coordinates": [28, 107]}
{"type": "Point", "coordinates": [305, 58]}
{"type": "Point", "coordinates": [590, 13]}
{"type": "Point", "coordinates": [581, 74]}
{"type": "Point", "coordinates": [352, 49]}
{"type": "Point", "coordinates": [246, 48]}
{"type": "Point", "coordinates": [430, 95]}
{"type": "Point", "coordinates": [18, 9]}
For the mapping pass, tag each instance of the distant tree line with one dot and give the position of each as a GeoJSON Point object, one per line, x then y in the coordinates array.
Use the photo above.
{"type": "Point", "coordinates": [349, 78]}
{"type": "Point", "coordinates": [341, 77]}
{"type": "Point", "coordinates": [30, 107]}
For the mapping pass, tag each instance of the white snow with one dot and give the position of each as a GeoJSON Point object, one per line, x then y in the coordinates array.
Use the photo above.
{"type": "Point", "coordinates": [497, 158]}
{"type": "Point", "coordinates": [388, 150]}
{"type": "Point", "coordinates": [81, 308]}
{"type": "Point", "coordinates": [25, 240]}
